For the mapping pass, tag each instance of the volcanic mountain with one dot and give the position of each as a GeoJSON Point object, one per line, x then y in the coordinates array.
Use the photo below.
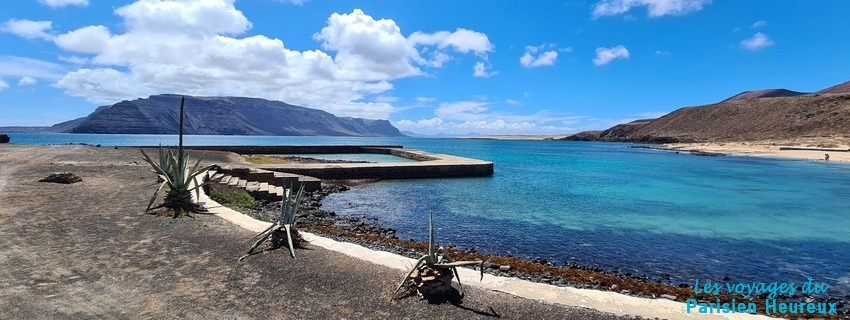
{"type": "Point", "coordinates": [158, 114]}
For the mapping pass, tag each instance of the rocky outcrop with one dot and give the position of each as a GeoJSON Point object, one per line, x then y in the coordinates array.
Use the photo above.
{"type": "Point", "coordinates": [218, 116]}
{"type": "Point", "coordinates": [4, 138]}
{"type": "Point", "coordinates": [592, 135]}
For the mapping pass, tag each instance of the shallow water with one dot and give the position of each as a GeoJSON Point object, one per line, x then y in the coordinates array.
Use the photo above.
{"type": "Point", "coordinates": [639, 211]}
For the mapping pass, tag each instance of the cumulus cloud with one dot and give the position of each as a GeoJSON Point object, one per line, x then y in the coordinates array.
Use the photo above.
{"type": "Point", "coordinates": [538, 56]}
{"type": "Point", "coordinates": [483, 70]}
{"type": "Point", "coordinates": [461, 40]}
{"type": "Point", "coordinates": [28, 29]}
{"type": "Point", "coordinates": [757, 42]}
{"type": "Point", "coordinates": [195, 47]}
{"type": "Point", "coordinates": [3, 85]}
{"type": "Point", "coordinates": [654, 8]}
{"type": "Point", "coordinates": [606, 55]}
{"type": "Point", "coordinates": [477, 116]}
{"type": "Point", "coordinates": [27, 81]}
{"type": "Point", "coordinates": [62, 3]}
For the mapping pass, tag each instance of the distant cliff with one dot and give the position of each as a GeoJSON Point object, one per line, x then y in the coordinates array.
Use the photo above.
{"type": "Point", "coordinates": [748, 116]}
{"type": "Point", "coordinates": [221, 116]}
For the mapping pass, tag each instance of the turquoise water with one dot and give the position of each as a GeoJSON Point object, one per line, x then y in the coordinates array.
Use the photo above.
{"type": "Point", "coordinates": [673, 217]}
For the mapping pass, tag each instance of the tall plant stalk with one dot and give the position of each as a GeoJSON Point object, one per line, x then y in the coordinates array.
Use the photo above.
{"type": "Point", "coordinates": [178, 176]}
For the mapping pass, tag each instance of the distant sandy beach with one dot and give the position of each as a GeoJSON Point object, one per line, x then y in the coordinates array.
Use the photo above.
{"type": "Point", "coordinates": [762, 149]}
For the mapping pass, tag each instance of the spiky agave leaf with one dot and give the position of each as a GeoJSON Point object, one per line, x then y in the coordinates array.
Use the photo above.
{"type": "Point", "coordinates": [431, 244]}
{"type": "Point", "coordinates": [439, 259]}
{"type": "Point", "coordinates": [289, 205]}
{"type": "Point", "coordinates": [286, 222]}
{"type": "Point", "coordinates": [420, 262]}
{"type": "Point", "coordinates": [288, 229]}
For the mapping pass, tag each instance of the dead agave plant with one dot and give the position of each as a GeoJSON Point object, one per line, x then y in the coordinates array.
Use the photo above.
{"type": "Point", "coordinates": [285, 224]}
{"type": "Point", "coordinates": [432, 274]}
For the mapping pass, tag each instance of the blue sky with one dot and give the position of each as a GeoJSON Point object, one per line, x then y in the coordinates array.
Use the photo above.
{"type": "Point", "coordinates": [495, 67]}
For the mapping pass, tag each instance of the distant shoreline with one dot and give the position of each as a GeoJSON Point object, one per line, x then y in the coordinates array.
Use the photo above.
{"type": "Point", "coordinates": [758, 149]}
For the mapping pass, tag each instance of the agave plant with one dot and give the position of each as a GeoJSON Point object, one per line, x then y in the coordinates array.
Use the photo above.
{"type": "Point", "coordinates": [285, 223]}
{"type": "Point", "coordinates": [178, 176]}
{"type": "Point", "coordinates": [432, 273]}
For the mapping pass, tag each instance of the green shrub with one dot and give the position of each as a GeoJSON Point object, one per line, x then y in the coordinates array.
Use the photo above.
{"type": "Point", "coordinates": [229, 195]}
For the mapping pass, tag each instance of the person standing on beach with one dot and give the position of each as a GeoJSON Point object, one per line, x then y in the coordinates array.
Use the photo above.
{"type": "Point", "coordinates": [826, 157]}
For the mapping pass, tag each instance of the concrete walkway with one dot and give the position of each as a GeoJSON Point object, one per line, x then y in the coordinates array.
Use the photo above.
{"type": "Point", "coordinates": [604, 301]}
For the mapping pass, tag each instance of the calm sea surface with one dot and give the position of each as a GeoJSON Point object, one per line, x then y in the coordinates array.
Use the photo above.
{"type": "Point", "coordinates": [673, 217]}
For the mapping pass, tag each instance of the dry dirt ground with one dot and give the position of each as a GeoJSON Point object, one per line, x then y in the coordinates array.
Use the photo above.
{"type": "Point", "coordinates": [85, 250]}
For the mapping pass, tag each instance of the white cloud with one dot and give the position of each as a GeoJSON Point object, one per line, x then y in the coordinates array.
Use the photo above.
{"type": "Point", "coordinates": [27, 28]}
{"type": "Point", "coordinates": [662, 53]}
{"type": "Point", "coordinates": [193, 17]}
{"type": "Point", "coordinates": [461, 40]}
{"type": "Point", "coordinates": [537, 56]}
{"type": "Point", "coordinates": [757, 42]}
{"type": "Point", "coordinates": [654, 8]}
{"type": "Point", "coordinates": [760, 23]}
{"type": "Point", "coordinates": [483, 70]}
{"type": "Point", "coordinates": [512, 102]}
{"type": "Point", "coordinates": [90, 39]}
{"type": "Point", "coordinates": [295, 2]}
{"type": "Point", "coordinates": [193, 47]}
{"type": "Point", "coordinates": [606, 55]}
{"type": "Point", "coordinates": [3, 85]}
{"type": "Point", "coordinates": [62, 3]}
{"type": "Point", "coordinates": [27, 81]}
{"type": "Point", "coordinates": [20, 67]}
{"type": "Point", "coordinates": [476, 116]}
{"type": "Point", "coordinates": [462, 110]}
{"type": "Point", "coordinates": [425, 99]}
{"type": "Point", "coordinates": [74, 59]}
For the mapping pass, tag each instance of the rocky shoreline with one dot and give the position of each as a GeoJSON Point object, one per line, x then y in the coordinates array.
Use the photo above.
{"type": "Point", "coordinates": [368, 232]}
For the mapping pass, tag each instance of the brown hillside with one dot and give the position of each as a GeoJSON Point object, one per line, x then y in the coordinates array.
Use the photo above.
{"type": "Point", "coordinates": [744, 120]}
{"type": "Point", "coordinates": [767, 93]}
{"type": "Point", "coordinates": [839, 88]}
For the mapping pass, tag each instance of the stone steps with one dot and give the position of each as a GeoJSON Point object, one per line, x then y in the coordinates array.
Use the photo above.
{"type": "Point", "coordinates": [265, 184]}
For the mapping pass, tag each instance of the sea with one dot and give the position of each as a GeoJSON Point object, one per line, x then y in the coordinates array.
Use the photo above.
{"type": "Point", "coordinates": [671, 217]}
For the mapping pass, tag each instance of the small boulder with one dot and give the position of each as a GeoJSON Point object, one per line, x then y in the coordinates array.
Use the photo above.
{"type": "Point", "coordinates": [62, 177]}
{"type": "Point", "coordinates": [4, 138]}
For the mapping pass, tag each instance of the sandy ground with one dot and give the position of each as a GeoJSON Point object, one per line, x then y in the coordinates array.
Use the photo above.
{"type": "Point", "coordinates": [85, 250]}
{"type": "Point", "coordinates": [762, 149]}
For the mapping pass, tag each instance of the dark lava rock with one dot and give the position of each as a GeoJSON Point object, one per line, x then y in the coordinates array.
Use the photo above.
{"type": "Point", "coordinates": [62, 177]}
{"type": "Point", "coordinates": [4, 138]}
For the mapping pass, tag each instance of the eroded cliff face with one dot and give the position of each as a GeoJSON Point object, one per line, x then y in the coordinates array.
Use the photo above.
{"type": "Point", "coordinates": [222, 116]}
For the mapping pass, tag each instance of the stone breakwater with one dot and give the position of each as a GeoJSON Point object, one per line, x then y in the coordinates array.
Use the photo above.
{"type": "Point", "coordinates": [427, 165]}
